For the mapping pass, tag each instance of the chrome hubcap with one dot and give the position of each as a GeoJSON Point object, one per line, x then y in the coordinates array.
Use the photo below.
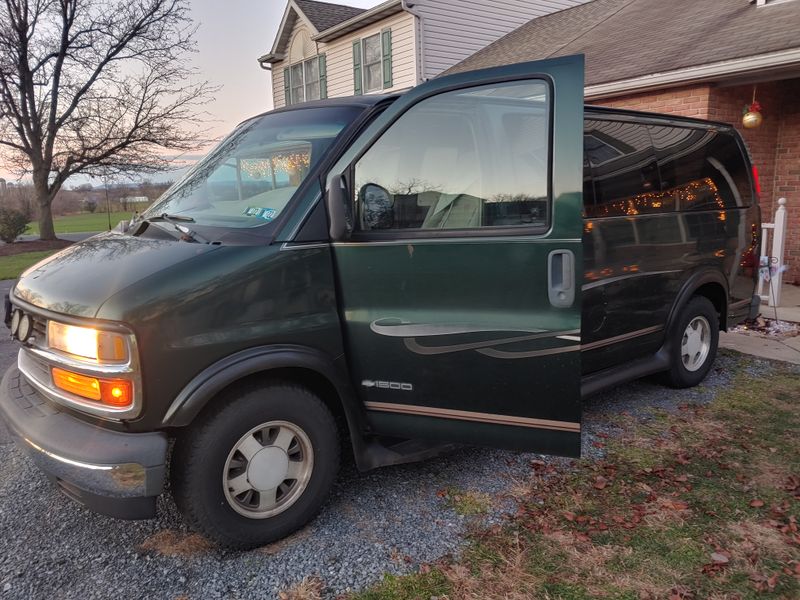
{"type": "Point", "coordinates": [696, 343]}
{"type": "Point", "coordinates": [268, 469]}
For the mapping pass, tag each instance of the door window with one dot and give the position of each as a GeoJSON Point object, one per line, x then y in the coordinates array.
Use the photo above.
{"type": "Point", "coordinates": [461, 160]}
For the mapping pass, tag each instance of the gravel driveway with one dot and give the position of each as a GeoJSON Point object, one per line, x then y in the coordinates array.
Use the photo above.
{"type": "Point", "coordinates": [388, 520]}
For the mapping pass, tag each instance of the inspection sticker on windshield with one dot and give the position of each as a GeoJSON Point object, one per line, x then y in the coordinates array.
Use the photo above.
{"type": "Point", "coordinates": [262, 213]}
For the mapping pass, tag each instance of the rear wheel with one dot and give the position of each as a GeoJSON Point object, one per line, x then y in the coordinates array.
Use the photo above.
{"type": "Point", "coordinates": [694, 341]}
{"type": "Point", "coordinates": [258, 468]}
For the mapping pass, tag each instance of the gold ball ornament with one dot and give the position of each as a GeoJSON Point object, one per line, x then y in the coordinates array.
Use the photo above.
{"type": "Point", "coordinates": [752, 119]}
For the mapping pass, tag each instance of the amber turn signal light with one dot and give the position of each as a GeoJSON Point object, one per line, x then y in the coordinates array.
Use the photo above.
{"type": "Point", "coordinates": [111, 392]}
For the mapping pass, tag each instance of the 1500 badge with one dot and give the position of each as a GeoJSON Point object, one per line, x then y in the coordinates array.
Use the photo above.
{"type": "Point", "coordinates": [388, 385]}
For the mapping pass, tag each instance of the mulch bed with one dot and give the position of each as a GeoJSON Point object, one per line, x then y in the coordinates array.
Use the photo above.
{"type": "Point", "coordinates": [32, 246]}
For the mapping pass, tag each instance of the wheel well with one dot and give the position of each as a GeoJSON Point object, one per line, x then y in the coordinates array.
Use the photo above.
{"type": "Point", "coordinates": [315, 382]}
{"type": "Point", "coordinates": [716, 294]}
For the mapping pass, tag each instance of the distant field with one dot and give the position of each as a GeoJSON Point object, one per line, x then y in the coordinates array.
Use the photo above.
{"type": "Point", "coordinates": [83, 222]}
{"type": "Point", "coordinates": [12, 266]}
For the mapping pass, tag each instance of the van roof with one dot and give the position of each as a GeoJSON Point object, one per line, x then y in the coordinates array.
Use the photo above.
{"type": "Point", "coordinates": [661, 118]}
{"type": "Point", "coordinates": [368, 101]}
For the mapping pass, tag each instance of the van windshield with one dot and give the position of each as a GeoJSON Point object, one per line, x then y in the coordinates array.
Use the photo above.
{"type": "Point", "coordinates": [250, 177]}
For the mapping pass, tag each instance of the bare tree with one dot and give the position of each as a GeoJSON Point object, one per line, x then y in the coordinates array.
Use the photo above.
{"type": "Point", "coordinates": [95, 87]}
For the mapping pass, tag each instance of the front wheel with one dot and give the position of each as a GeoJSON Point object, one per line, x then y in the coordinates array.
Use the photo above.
{"type": "Point", "coordinates": [694, 341]}
{"type": "Point", "coordinates": [258, 468]}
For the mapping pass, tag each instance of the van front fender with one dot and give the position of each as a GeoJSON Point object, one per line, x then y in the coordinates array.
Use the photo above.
{"type": "Point", "coordinates": [194, 397]}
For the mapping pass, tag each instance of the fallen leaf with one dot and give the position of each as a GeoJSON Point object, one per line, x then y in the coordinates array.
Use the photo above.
{"type": "Point", "coordinates": [756, 503]}
{"type": "Point", "coordinates": [600, 482]}
{"type": "Point", "coordinates": [719, 559]}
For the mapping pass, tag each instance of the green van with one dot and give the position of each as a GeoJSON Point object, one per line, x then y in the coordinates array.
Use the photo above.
{"type": "Point", "coordinates": [458, 264]}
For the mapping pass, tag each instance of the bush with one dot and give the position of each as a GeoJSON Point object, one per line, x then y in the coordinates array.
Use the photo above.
{"type": "Point", "coordinates": [90, 205]}
{"type": "Point", "coordinates": [13, 223]}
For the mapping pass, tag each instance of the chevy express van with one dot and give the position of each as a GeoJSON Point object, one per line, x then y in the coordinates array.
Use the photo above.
{"type": "Point", "coordinates": [458, 264]}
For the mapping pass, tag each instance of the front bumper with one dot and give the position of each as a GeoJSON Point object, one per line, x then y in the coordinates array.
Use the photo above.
{"type": "Point", "coordinates": [113, 473]}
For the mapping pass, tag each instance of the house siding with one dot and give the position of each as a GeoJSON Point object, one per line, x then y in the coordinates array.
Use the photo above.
{"type": "Point", "coordinates": [452, 30]}
{"type": "Point", "coordinates": [339, 58]}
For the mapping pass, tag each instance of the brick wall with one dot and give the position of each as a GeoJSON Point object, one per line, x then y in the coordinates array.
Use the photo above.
{"type": "Point", "coordinates": [688, 101]}
{"type": "Point", "coordinates": [787, 172]}
{"type": "Point", "coordinates": [774, 147]}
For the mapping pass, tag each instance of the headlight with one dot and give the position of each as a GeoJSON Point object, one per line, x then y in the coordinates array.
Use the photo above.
{"type": "Point", "coordinates": [87, 342]}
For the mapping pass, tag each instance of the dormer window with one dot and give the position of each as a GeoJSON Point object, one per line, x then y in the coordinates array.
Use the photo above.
{"type": "Point", "coordinates": [305, 80]}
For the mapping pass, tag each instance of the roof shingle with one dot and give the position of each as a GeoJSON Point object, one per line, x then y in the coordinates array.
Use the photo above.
{"type": "Point", "coordinates": [324, 15]}
{"type": "Point", "coordinates": [629, 38]}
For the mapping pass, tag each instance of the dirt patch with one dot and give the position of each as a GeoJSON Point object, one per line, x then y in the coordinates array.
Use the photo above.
{"type": "Point", "coordinates": [310, 588]}
{"type": "Point", "coordinates": [175, 543]}
{"type": "Point", "coordinates": [32, 246]}
{"type": "Point", "coordinates": [754, 539]}
{"type": "Point", "coordinates": [286, 542]}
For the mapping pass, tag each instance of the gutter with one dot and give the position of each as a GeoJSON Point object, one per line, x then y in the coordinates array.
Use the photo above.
{"type": "Point", "coordinates": [421, 47]}
{"type": "Point", "coordinates": [708, 72]}
{"type": "Point", "coordinates": [332, 32]}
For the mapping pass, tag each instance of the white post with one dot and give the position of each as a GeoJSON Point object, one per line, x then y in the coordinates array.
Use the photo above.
{"type": "Point", "coordinates": [778, 243]}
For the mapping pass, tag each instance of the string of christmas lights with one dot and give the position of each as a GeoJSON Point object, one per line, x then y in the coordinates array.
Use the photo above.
{"type": "Point", "coordinates": [684, 195]}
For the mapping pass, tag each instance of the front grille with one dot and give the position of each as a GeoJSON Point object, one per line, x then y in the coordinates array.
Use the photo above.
{"type": "Point", "coordinates": [39, 337]}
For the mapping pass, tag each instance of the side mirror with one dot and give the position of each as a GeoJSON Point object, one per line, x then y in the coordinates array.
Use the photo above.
{"type": "Point", "coordinates": [336, 203]}
{"type": "Point", "coordinates": [377, 203]}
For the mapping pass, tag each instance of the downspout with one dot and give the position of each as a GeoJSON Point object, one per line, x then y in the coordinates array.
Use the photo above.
{"type": "Point", "coordinates": [268, 67]}
{"type": "Point", "coordinates": [406, 6]}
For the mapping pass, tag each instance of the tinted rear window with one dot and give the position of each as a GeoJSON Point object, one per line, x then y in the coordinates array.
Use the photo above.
{"type": "Point", "coordinates": [704, 169]}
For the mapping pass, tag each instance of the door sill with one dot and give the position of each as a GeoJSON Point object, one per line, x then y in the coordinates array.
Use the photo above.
{"type": "Point", "coordinates": [613, 376]}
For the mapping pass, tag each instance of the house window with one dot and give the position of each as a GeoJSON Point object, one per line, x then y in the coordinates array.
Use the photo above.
{"type": "Point", "coordinates": [305, 80]}
{"type": "Point", "coordinates": [373, 63]}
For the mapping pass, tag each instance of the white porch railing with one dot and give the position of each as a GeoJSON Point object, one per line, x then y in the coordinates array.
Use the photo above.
{"type": "Point", "coordinates": [773, 263]}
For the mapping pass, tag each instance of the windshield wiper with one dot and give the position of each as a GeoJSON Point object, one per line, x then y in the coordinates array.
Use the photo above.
{"type": "Point", "coordinates": [187, 235]}
{"type": "Point", "coordinates": [170, 218]}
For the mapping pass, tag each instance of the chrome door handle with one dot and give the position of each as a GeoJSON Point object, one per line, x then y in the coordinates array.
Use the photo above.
{"type": "Point", "coordinates": [561, 278]}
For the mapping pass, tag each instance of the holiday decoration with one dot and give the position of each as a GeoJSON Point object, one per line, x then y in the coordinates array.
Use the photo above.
{"type": "Point", "coordinates": [751, 115]}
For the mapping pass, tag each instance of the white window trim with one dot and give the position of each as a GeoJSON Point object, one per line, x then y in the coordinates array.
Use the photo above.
{"type": "Point", "coordinates": [364, 89]}
{"type": "Point", "coordinates": [303, 75]}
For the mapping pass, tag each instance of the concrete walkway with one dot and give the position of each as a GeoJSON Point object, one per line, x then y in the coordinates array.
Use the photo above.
{"type": "Point", "coordinates": [789, 310]}
{"type": "Point", "coordinates": [786, 349]}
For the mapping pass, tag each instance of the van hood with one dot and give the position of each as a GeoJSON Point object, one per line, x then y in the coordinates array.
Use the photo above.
{"type": "Point", "coordinates": [80, 278]}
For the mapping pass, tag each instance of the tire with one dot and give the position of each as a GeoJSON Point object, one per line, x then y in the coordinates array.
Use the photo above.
{"type": "Point", "coordinates": [224, 467]}
{"type": "Point", "coordinates": [692, 355]}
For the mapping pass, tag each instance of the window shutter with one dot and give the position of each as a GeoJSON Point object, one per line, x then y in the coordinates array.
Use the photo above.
{"type": "Point", "coordinates": [323, 77]}
{"type": "Point", "coordinates": [287, 89]}
{"type": "Point", "coordinates": [386, 37]}
{"type": "Point", "coordinates": [357, 67]}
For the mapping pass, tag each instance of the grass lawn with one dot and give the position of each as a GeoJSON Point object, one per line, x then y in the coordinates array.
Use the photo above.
{"type": "Point", "coordinates": [699, 503]}
{"type": "Point", "coordinates": [79, 223]}
{"type": "Point", "coordinates": [12, 267]}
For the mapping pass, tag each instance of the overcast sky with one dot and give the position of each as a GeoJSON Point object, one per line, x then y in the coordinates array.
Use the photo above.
{"type": "Point", "coordinates": [232, 35]}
